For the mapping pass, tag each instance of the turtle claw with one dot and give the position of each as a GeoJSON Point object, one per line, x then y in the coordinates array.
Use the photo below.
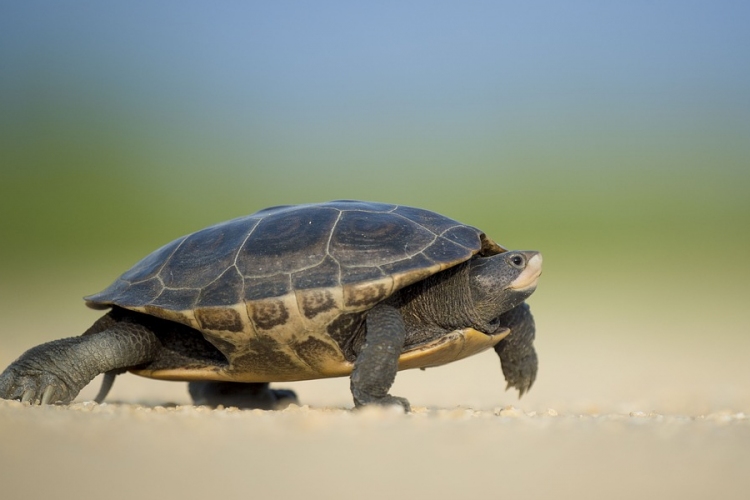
{"type": "Point", "coordinates": [403, 403]}
{"type": "Point", "coordinates": [27, 396]}
{"type": "Point", "coordinates": [33, 387]}
{"type": "Point", "coordinates": [47, 395]}
{"type": "Point", "coordinates": [522, 389]}
{"type": "Point", "coordinates": [521, 381]}
{"type": "Point", "coordinates": [385, 401]}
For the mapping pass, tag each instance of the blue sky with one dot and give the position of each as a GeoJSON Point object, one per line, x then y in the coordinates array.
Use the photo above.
{"type": "Point", "coordinates": [390, 53]}
{"type": "Point", "coordinates": [324, 77]}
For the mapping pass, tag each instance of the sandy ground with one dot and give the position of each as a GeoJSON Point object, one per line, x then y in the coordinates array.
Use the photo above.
{"type": "Point", "coordinates": [617, 412]}
{"type": "Point", "coordinates": [122, 451]}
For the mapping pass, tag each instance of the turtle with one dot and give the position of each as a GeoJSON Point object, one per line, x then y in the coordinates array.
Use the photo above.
{"type": "Point", "coordinates": [300, 292]}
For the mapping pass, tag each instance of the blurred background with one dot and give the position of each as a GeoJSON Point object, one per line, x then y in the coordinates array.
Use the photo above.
{"type": "Point", "coordinates": [614, 137]}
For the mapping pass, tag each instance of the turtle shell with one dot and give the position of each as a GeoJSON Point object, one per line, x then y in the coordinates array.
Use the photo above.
{"type": "Point", "coordinates": [277, 289]}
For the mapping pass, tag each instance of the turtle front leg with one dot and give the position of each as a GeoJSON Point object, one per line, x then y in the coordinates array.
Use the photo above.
{"type": "Point", "coordinates": [516, 351]}
{"type": "Point", "coordinates": [56, 372]}
{"type": "Point", "coordinates": [377, 363]}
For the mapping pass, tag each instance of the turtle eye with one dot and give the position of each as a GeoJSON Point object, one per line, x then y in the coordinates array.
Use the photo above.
{"type": "Point", "coordinates": [517, 261]}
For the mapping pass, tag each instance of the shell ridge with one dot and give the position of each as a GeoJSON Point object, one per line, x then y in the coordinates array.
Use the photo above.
{"type": "Point", "coordinates": [479, 236]}
{"type": "Point", "coordinates": [237, 256]}
{"type": "Point", "coordinates": [244, 242]}
{"type": "Point", "coordinates": [366, 211]}
{"type": "Point", "coordinates": [166, 261]}
{"type": "Point", "coordinates": [225, 271]}
{"type": "Point", "coordinates": [156, 277]}
{"type": "Point", "coordinates": [328, 243]}
{"type": "Point", "coordinates": [415, 223]}
{"type": "Point", "coordinates": [439, 235]}
{"type": "Point", "coordinates": [157, 274]}
{"type": "Point", "coordinates": [170, 288]}
{"type": "Point", "coordinates": [411, 221]}
{"type": "Point", "coordinates": [452, 228]}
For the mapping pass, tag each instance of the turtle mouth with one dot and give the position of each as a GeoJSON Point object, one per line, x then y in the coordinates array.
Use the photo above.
{"type": "Point", "coordinates": [529, 276]}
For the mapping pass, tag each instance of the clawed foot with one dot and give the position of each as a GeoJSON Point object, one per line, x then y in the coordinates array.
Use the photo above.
{"type": "Point", "coordinates": [246, 396]}
{"type": "Point", "coordinates": [34, 387]}
{"type": "Point", "coordinates": [521, 375]}
{"type": "Point", "coordinates": [403, 403]}
{"type": "Point", "coordinates": [516, 351]}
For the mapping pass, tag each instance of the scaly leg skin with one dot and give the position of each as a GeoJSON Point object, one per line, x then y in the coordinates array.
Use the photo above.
{"type": "Point", "coordinates": [377, 363]}
{"type": "Point", "coordinates": [56, 372]}
{"type": "Point", "coordinates": [245, 396]}
{"type": "Point", "coordinates": [516, 351]}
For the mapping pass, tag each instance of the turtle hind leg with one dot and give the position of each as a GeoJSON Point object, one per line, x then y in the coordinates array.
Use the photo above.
{"type": "Point", "coordinates": [245, 396]}
{"type": "Point", "coordinates": [55, 372]}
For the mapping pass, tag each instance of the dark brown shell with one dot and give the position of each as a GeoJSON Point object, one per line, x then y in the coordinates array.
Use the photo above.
{"type": "Point", "coordinates": [292, 273]}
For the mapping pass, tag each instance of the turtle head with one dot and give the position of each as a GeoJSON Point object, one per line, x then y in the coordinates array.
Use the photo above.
{"type": "Point", "coordinates": [501, 282]}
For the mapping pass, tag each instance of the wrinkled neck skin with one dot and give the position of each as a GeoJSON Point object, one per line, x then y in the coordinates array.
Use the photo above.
{"type": "Point", "coordinates": [489, 281]}
{"type": "Point", "coordinates": [445, 301]}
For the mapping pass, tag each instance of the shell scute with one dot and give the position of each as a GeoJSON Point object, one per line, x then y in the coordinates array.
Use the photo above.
{"type": "Point", "coordinates": [416, 264]}
{"type": "Point", "coordinates": [268, 314]}
{"type": "Point", "coordinates": [322, 275]}
{"type": "Point", "coordinates": [366, 295]}
{"type": "Point", "coordinates": [363, 238]}
{"type": "Point", "coordinates": [430, 220]}
{"type": "Point", "coordinates": [465, 236]}
{"type": "Point", "coordinates": [314, 302]}
{"type": "Point", "coordinates": [356, 275]}
{"type": "Point", "coordinates": [227, 289]}
{"type": "Point", "coordinates": [447, 253]}
{"type": "Point", "coordinates": [268, 251]}
{"type": "Point", "coordinates": [219, 318]}
{"type": "Point", "coordinates": [204, 255]}
{"type": "Point", "coordinates": [149, 266]}
{"type": "Point", "coordinates": [133, 294]}
{"type": "Point", "coordinates": [277, 285]}
{"type": "Point", "coordinates": [186, 297]}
